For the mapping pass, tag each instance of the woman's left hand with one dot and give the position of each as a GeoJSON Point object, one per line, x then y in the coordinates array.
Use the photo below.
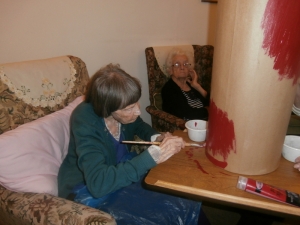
{"type": "Point", "coordinates": [161, 137]}
{"type": "Point", "coordinates": [194, 81]}
{"type": "Point", "coordinates": [297, 163]}
{"type": "Point", "coordinates": [168, 147]}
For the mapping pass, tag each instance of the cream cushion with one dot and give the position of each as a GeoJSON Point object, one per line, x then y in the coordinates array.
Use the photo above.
{"type": "Point", "coordinates": [30, 155]}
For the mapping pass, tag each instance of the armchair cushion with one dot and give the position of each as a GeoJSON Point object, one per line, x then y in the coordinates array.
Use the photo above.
{"type": "Point", "coordinates": [31, 154]}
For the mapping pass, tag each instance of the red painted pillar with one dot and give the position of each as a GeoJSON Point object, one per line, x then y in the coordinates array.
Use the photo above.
{"type": "Point", "coordinates": [256, 67]}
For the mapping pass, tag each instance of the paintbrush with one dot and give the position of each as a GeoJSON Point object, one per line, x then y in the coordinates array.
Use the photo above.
{"type": "Point", "coordinates": [158, 143]}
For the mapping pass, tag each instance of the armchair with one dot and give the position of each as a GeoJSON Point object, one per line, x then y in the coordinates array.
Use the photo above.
{"type": "Point", "coordinates": [155, 59]}
{"type": "Point", "coordinates": [16, 116]}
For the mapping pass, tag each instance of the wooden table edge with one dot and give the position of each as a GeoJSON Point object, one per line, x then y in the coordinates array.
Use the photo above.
{"type": "Point", "coordinates": [275, 207]}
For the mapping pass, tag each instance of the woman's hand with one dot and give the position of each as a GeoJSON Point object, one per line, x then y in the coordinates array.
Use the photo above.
{"type": "Point", "coordinates": [297, 163]}
{"type": "Point", "coordinates": [170, 146]}
{"type": "Point", "coordinates": [161, 137]}
{"type": "Point", "coordinates": [194, 79]}
{"type": "Point", "coordinates": [194, 83]}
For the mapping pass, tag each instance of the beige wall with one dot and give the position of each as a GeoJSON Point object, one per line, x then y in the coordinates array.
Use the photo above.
{"type": "Point", "coordinates": [102, 31]}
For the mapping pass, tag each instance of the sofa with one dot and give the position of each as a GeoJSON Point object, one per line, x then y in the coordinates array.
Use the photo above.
{"type": "Point", "coordinates": [36, 100]}
{"type": "Point", "coordinates": [156, 69]}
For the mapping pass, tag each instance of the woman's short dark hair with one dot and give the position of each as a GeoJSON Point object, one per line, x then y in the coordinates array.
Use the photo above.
{"type": "Point", "coordinates": [111, 89]}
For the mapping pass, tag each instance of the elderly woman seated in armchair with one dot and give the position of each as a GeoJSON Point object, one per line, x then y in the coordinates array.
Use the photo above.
{"type": "Point", "coordinates": [182, 95]}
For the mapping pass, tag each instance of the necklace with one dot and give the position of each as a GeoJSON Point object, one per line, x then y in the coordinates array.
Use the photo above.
{"type": "Point", "coordinates": [116, 135]}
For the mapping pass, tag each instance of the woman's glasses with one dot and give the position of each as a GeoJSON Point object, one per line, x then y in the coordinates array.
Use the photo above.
{"type": "Point", "coordinates": [179, 65]}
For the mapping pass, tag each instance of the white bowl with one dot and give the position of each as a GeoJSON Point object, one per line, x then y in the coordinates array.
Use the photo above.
{"type": "Point", "coordinates": [291, 147]}
{"type": "Point", "coordinates": [196, 129]}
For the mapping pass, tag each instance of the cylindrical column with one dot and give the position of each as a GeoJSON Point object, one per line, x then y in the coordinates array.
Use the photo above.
{"type": "Point", "coordinates": [253, 83]}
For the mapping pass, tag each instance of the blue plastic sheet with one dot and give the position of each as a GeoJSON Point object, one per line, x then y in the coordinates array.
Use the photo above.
{"type": "Point", "coordinates": [136, 205]}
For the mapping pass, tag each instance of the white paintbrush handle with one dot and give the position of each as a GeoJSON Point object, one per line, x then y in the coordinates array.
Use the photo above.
{"type": "Point", "coordinates": [158, 143]}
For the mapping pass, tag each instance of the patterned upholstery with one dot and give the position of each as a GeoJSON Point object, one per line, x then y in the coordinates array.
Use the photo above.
{"type": "Point", "coordinates": [15, 112]}
{"type": "Point", "coordinates": [161, 120]}
{"type": "Point", "coordinates": [42, 209]}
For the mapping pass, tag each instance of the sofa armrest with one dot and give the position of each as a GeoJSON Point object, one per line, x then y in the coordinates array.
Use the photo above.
{"type": "Point", "coordinates": [42, 209]}
{"type": "Point", "coordinates": [163, 121]}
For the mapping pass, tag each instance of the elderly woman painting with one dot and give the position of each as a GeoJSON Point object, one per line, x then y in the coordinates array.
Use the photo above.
{"type": "Point", "coordinates": [101, 172]}
{"type": "Point", "coordinates": [182, 95]}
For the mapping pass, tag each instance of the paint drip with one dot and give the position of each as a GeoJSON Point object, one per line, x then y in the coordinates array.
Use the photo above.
{"type": "Point", "coordinates": [220, 135]}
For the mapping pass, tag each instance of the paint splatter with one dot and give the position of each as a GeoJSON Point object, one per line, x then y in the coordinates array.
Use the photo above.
{"type": "Point", "coordinates": [190, 155]}
{"type": "Point", "coordinates": [220, 135]}
{"type": "Point", "coordinates": [200, 167]}
{"type": "Point", "coordinates": [281, 37]}
{"type": "Point", "coordinates": [215, 161]}
{"type": "Point", "coordinates": [195, 124]}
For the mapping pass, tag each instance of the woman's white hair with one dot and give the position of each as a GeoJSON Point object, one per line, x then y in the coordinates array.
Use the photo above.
{"type": "Point", "coordinates": [178, 51]}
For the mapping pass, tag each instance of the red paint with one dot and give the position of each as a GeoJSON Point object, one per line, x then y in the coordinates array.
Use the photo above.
{"type": "Point", "coordinates": [281, 24]}
{"type": "Point", "coordinates": [189, 154]}
{"type": "Point", "coordinates": [200, 167]}
{"type": "Point", "coordinates": [220, 135]}
{"type": "Point", "coordinates": [215, 161]}
{"type": "Point", "coordinates": [268, 191]}
{"type": "Point", "coordinates": [195, 124]}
